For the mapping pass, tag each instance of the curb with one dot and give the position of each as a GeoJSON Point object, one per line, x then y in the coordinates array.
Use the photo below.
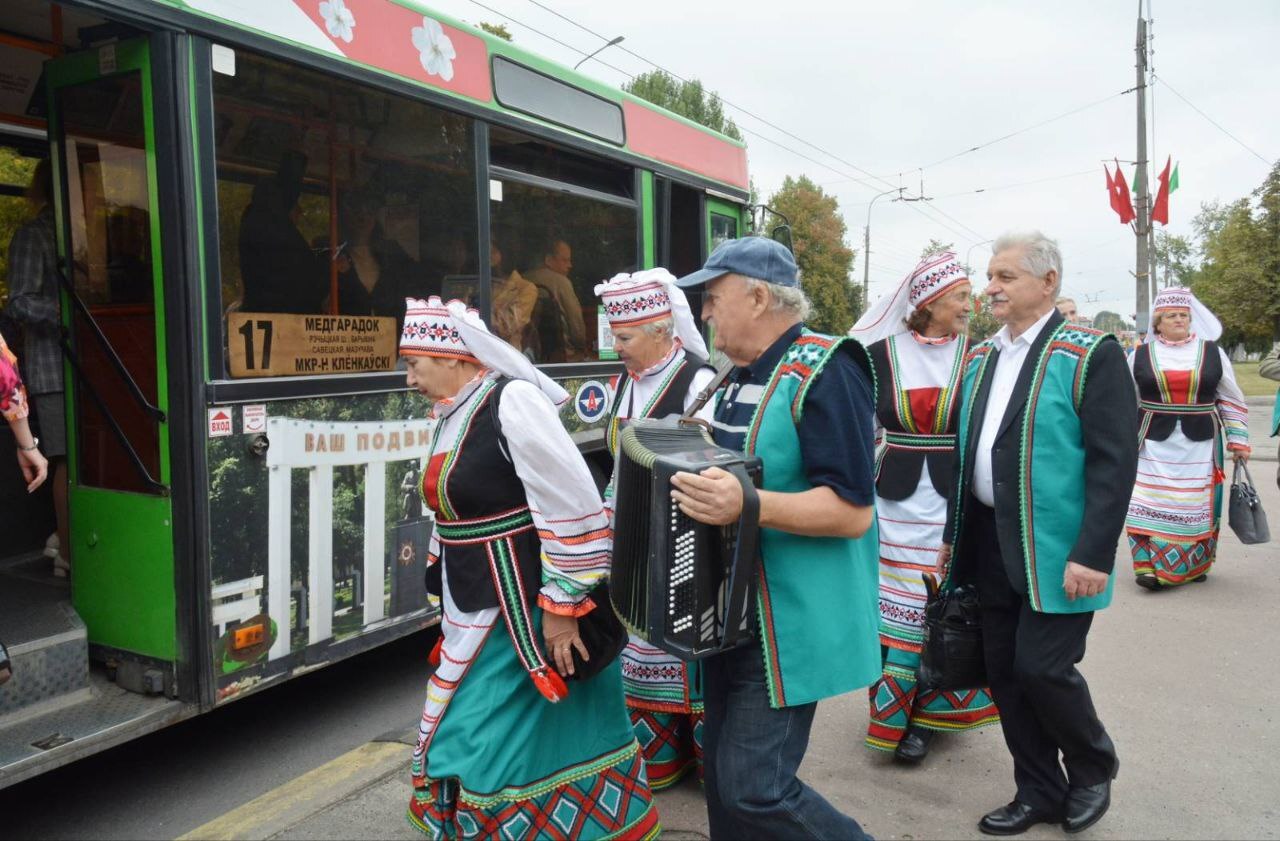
{"type": "Point", "coordinates": [293, 802]}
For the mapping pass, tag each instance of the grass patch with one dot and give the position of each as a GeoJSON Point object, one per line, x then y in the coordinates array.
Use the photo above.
{"type": "Point", "coordinates": [1251, 383]}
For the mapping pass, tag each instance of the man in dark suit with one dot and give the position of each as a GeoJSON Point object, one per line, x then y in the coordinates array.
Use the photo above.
{"type": "Point", "coordinates": [1047, 457]}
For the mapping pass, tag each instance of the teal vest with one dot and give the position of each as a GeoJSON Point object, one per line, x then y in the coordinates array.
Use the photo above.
{"type": "Point", "coordinates": [818, 596]}
{"type": "Point", "coordinates": [1051, 456]}
{"type": "Point", "coordinates": [1275, 415]}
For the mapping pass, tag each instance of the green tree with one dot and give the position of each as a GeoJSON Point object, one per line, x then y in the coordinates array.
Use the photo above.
{"type": "Point", "coordinates": [818, 238]}
{"type": "Point", "coordinates": [981, 322]}
{"type": "Point", "coordinates": [1174, 259]}
{"type": "Point", "coordinates": [688, 99]}
{"type": "Point", "coordinates": [1239, 277]}
{"type": "Point", "coordinates": [497, 30]}
{"type": "Point", "coordinates": [936, 246]}
{"type": "Point", "coordinates": [1110, 322]}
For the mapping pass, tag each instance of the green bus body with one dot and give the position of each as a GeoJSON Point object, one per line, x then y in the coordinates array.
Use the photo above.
{"type": "Point", "coordinates": [195, 522]}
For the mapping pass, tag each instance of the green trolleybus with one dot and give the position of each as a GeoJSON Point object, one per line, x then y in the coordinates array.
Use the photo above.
{"type": "Point", "coordinates": [243, 193]}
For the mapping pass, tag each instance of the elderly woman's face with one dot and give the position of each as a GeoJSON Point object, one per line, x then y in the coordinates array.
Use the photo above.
{"type": "Point", "coordinates": [639, 349]}
{"type": "Point", "coordinates": [1174, 324]}
{"type": "Point", "coordinates": [949, 314]}
{"type": "Point", "coordinates": [432, 376]}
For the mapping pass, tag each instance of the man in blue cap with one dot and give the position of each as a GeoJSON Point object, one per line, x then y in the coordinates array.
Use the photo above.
{"type": "Point", "coordinates": [803, 402]}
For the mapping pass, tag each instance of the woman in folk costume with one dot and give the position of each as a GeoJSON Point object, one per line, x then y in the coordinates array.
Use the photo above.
{"type": "Point", "coordinates": [916, 338]}
{"type": "Point", "coordinates": [1188, 400]}
{"type": "Point", "coordinates": [505, 748]}
{"type": "Point", "coordinates": [657, 339]}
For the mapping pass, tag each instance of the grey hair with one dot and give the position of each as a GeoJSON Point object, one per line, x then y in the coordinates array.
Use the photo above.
{"type": "Point", "coordinates": [1041, 254]}
{"type": "Point", "coordinates": [661, 327]}
{"type": "Point", "coordinates": [789, 299]}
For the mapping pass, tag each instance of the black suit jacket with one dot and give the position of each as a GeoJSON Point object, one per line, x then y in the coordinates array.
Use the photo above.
{"type": "Point", "coordinates": [1109, 427]}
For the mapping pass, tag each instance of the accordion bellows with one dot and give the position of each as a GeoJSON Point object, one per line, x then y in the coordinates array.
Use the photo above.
{"type": "Point", "coordinates": [681, 585]}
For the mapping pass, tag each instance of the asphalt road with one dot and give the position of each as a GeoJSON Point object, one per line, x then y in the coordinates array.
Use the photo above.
{"type": "Point", "coordinates": [1184, 680]}
{"type": "Point", "coordinates": [165, 784]}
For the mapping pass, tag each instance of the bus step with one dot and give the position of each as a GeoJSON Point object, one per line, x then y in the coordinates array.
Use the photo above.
{"type": "Point", "coordinates": [48, 646]}
{"type": "Point", "coordinates": [110, 716]}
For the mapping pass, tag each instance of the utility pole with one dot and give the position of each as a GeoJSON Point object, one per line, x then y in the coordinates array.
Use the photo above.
{"type": "Point", "coordinates": [866, 248]}
{"type": "Point", "coordinates": [1142, 225]}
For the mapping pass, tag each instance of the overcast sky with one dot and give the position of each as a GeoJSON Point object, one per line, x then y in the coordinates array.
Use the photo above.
{"type": "Point", "coordinates": [892, 86]}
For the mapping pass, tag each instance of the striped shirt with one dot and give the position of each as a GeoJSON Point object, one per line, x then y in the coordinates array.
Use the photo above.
{"type": "Point", "coordinates": [33, 302]}
{"type": "Point", "coordinates": [836, 430]}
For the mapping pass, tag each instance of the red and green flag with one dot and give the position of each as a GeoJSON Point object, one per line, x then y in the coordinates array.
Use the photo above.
{"type": "Point", "coordinates": [1168, 183]}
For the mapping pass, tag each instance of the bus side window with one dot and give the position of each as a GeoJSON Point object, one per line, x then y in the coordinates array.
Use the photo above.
{"type": "Point", "coordinates": [562, 238]}
{"type": "Point", "coordinates": [336, 198]}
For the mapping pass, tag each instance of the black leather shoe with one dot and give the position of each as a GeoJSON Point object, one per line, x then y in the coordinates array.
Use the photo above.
{"type": "Point", "coordinates": [1087, 804]}
{"type": "Point", "coordinates": [914, 745]}
{"type": "Point", "coordinates": [1148, 582]}
{"type": "Point", "coordinates": [1014, 819]}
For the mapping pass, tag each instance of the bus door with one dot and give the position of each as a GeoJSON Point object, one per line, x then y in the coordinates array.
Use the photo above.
{"type": "Point", "coordinates": [724, 222]}
{"type": "Point", "coordinates": [102, 139]}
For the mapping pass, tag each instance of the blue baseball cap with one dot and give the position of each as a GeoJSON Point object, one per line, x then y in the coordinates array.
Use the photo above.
{"type": "Point", "coordinates": [759, 257]}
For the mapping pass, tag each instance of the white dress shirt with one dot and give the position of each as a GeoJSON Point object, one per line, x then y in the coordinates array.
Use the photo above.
{"type": "Point", "coordinates": [1007, 366]}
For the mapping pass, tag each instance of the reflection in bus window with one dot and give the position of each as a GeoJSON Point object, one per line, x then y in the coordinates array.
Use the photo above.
{"type": "Point", "coordinates": [16, 167]}
{"type": "Point", "coordinates": [723, 229]}
{"type": "Point", "coordinates": [334, 198]}
{"type": "Point", "coordinates": [564, 222]}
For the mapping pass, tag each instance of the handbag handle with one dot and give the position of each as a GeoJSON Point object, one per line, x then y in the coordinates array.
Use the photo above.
{"type": "Point", "coordinates": [1235, 474]}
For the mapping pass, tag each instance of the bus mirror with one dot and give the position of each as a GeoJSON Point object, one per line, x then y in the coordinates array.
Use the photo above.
{"type": "Point", "coordinates": [782, 234]}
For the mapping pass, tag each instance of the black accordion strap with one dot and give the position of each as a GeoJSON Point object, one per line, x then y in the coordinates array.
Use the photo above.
{"type": "Point", "coordinates": [722, 374]}
{"type": "Point", "coordinates": [745, 555]}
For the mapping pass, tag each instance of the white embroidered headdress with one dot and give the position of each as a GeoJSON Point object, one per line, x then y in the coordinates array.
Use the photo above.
{"type": "Point", "coordinates": [452, 331]}
{"type": "Point", "coordinates": [935, 275]}
{"type": "Point", "coordinates": [1203, 322]}
{"type": "Point", "coordinates": [631, 300]}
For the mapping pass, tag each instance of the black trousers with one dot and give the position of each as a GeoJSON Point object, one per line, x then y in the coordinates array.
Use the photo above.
{"type": "Point", "coordinates": [1045, 706]}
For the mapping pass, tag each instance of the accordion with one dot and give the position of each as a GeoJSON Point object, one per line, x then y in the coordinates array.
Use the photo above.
{"type": "Point", "coordinates": [686, 587]}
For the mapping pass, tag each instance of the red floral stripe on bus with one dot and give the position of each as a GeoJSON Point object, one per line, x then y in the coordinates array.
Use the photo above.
{"type": "Point", "coordinates": [386, 35]}
{"type": "Point", "coordinates": [659, 136]}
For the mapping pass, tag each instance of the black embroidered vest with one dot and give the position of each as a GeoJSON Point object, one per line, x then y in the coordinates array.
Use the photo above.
{"type": "Point", "coordinates": [905, 452]}
{"type": "Point", "coordinates": [1158, 424]}
{"type": "Point", "coordinates": [487, 513]}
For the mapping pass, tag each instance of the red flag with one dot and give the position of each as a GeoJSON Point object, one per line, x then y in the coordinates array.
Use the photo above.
{"type": "Point", "coordinates": [1160, 210]}
{"type": "Point", "coordinates": [1111, 192]}
{"type": "Point", "coordinates": [1125, 209]}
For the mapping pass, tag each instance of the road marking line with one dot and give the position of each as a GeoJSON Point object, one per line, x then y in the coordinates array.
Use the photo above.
{"type": "Point", "coordinates": [301, 797]}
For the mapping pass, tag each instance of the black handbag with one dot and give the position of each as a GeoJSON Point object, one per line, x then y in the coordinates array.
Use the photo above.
{"type": "Point", "coordinates": [601, 633]}
{"type": "Point", "coordinates": [952, 657]}
{"type": "Point", "coordinates": [1244, 511]}
{"type": "Point", "coordinates": [600, 629]}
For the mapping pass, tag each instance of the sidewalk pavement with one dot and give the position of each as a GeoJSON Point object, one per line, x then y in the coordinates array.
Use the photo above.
{"type": "Point", "coordinates": [1260, 408]}
{"type": "Point", "coordinates": [1184, 680]}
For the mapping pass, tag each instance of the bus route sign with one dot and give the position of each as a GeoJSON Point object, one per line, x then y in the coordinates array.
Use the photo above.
{"type": "Point", "coordinates": [281, 344]}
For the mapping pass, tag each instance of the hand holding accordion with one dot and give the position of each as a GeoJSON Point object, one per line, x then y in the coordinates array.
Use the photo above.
{"type": "Point", "coordinates": [683, 585]}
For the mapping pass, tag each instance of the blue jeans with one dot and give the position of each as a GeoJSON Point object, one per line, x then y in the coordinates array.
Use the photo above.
{"type": "Point", "coordinates": [751, 753]}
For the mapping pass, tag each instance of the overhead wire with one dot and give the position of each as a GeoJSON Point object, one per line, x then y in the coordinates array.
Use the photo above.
{"type": "Point", "coordinates": [760, 119]}
{"type": "Point", "coordinates": [1000, 187]}
{"type": "Point", "coordinates": [1012, 134]}
{"type": "Point", "coordinates": [631, 76]}
{"type": "Point", "coordinates": [1215, 123]}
